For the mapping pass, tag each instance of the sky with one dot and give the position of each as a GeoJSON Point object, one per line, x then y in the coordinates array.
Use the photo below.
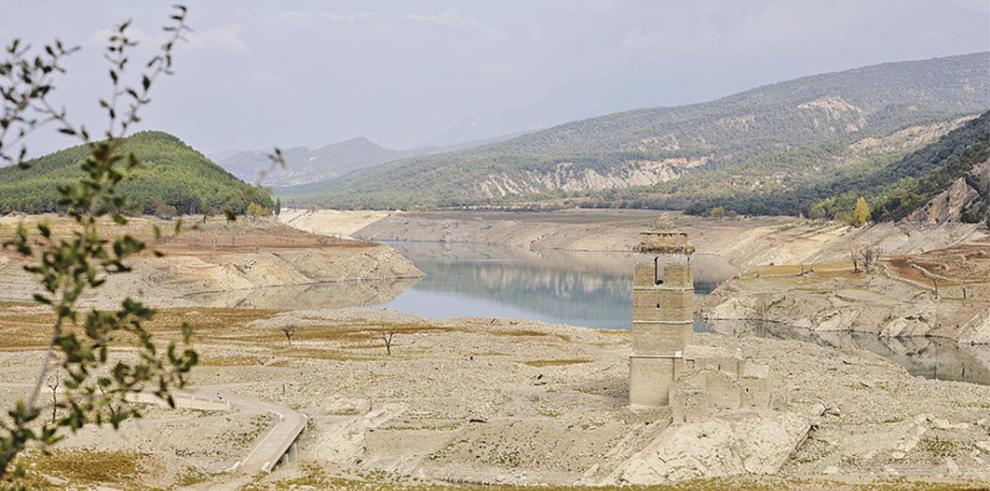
{"type": "Point", "coordinates": [406, 73]}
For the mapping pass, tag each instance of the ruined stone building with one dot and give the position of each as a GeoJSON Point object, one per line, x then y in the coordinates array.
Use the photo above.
{"type": "Point", "coordinates": [665, 369]}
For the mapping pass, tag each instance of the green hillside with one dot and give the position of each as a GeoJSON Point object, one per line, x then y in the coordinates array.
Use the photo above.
{"type": "Point", "coordinates": [173, 175]}
{"type": "Point", "coordinates": [893, 190]}
{"type": "Point", "coordinates": [901, 188]}
{"type": "Point", "coordinates": [676, 157]}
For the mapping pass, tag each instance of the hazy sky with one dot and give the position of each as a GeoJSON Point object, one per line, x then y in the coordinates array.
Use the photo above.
{"type": "Point", "coordinates": [402, 72]}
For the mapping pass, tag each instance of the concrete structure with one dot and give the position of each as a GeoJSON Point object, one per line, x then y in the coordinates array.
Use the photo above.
{"type": "Point", "coordinates": [665, 369]}
{"type": "Point", "coordinates": [277, 447]}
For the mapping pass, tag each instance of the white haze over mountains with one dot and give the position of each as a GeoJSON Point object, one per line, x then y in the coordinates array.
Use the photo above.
{"type": "Point", "coordinates": [407, 74]}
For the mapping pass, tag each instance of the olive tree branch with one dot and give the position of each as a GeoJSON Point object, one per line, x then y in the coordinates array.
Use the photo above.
{"type": "Point", "coordinates": [67, 267]}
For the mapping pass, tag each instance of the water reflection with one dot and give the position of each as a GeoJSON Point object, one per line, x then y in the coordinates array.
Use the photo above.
{"type": "Point", "coordinates": [581, 289]}
{"type": "Point", "coordinates": [934, 358]}
{"type": "Point", "coordinates": [301, 297]}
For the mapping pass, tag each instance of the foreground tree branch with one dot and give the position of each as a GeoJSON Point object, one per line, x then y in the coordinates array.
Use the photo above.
{"type": "Point", "coordinates": [95, 387]}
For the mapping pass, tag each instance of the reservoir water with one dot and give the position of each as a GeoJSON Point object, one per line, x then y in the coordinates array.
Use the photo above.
{"type": "Point", "coordinates": [579, 289]}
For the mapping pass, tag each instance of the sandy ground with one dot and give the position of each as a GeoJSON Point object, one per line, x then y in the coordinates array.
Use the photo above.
{"type": "Point", "coordinates": [490, 401]}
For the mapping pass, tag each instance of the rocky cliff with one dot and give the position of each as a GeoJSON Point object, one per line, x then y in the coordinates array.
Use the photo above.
{"type": "Point", "coordinates": [967, 199]}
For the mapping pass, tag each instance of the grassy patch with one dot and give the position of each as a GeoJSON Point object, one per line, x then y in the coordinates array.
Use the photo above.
{"type": "Point", "coordinates": [192, 476]}
{"type": "Point", "coordinates": [620, 332]}
{"type": "Point", "coordinates": [333, 355]}
{"type": "Point", "coordinates": [317, 478]}
{"type": "Point", "coordinates": [816, 270]}
{"type": "Point", "coordinates": [30, 330]}
{"type": "Point", "coordinates": [354, 334]}
{"type": "Point", "coordinates": [938, 447]}
{"type": "Point", "coordinates": [312, 476]}
{"type": "Point", "coordinates": [90, 466]}
{"type": "Point", "coordinates": [531, 333]}
{"type": "Point", "coordinates": [228, 361]}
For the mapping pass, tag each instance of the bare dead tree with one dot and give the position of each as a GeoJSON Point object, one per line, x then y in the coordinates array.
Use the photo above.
{"type": "Point", "coordinates": [931, 276]}
{"type": "Point", "coordinates": [53, 382]}
{"type": "Point", "coordinates": [855, 260]}
{"type": "Point", "coordinates": [387, 339]}
{"type": "Point", "coordinates": [870, 257]}
{"type": "Point", "coordinates": [761, 309]}
{"type": "Point", "coordinates": [110, 407]}
{"type": "Point", "coordinates": [289, 330]}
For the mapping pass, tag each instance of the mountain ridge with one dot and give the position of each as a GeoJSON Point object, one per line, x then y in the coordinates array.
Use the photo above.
{"type": "Point", "coordinates": [306, 166]}
{"type": "Point", "coordinates": [629, 86]}
{"type": "Point", "coordinates": [643, 149]}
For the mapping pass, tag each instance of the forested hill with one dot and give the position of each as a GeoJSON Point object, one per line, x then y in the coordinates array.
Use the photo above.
{"type": "Point", "coordinates": [174, 178]}
{"type": "Point", "coordinates": [776, 135]}
{"type": "Point", "coordinates": [957, 168]}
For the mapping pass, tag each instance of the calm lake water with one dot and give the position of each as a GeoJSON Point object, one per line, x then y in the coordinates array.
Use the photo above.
{"type": "Point", "coordinates": [580, 289]}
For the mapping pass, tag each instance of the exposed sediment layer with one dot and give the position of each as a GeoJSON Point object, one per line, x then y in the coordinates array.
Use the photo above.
{"type": "Point", "coordinates": [943, 292]}
{"type": "Point", "coordinates": [224, 259]}
{"type": "Point", "coordinates": [745, 242]}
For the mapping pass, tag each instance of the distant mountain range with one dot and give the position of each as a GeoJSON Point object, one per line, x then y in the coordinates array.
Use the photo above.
{"type": "Point", "coordinates": [174, 178]}
{"type": "Point", "coordinates": [769, 139]}
{"type": "Point", "coordinates": [305, 165]}
{"type": "Point", "coordinates": [643, 82]}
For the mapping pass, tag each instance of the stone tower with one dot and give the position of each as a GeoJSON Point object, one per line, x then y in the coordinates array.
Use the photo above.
{"type": "Point", "coordinates": [663, 314]}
